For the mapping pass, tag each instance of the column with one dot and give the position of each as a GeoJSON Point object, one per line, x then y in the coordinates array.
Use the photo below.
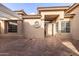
{"type": "Point", "coordinates": [59, 27]}
{"type": "Point", "coordinates": [19, 27]}
{"type": "Point", "coordinates": [2, 27]}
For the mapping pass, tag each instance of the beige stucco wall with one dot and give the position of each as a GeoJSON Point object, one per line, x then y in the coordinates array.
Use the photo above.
{"type": "Point", "coordinates": [43, 13]}
{"type": "Point", "coordinates": [59, 33]}
{"type": "Point", "coordinates": [61, 16]}
{"type": "Point", "coordinates": [65, 35]}
{"type": "Point", "coordinates": [75, 24]}
{"type": "Point", "coordinates": [20, 27]}
{"type": "Point", "coordinates": [59, 20]}
{"type": "Point", "coordinates": [31, 31]}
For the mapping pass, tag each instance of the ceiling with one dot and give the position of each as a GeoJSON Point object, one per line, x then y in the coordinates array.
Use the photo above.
{"type": "Point", "coordinates": [50, 17]}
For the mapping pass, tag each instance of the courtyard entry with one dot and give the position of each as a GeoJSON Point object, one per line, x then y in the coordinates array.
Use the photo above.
{"type": "Point", "coordinates": [49, 25]}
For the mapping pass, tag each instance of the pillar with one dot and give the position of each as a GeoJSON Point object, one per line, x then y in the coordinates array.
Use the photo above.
{"type": "Point", "coordinates": [2, 27]}
{"type": "Point", "coordinates": [19, 27]}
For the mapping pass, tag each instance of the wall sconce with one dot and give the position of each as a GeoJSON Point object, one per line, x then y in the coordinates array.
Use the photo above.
{"type": "Point", "coordinates": [37, 24]}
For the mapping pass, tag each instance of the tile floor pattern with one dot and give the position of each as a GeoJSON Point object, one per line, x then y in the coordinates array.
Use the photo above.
{"type": "Point", "coordinates": [50, 46]}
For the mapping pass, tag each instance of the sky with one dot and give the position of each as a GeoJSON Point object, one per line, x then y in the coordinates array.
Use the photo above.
{"type": "Point", "coordinates": [31, 8]}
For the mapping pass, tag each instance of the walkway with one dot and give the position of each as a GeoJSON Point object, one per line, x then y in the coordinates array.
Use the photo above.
{"type": "Point", "coordinates": [50, 46]}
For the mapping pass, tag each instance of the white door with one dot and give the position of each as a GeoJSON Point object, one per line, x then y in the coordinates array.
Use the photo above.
{"type": "Point", "coordinates": [49, 29]}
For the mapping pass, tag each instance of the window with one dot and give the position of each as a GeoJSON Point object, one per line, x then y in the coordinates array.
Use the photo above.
{"type": "Point", "coordinates": [57, 27]}
{"type": "Point", "coordinates": [68, 26]}
{"type": "Point", "coordinates": [12, 26]}
{"type": "Point", "coordinates": [65, 26]}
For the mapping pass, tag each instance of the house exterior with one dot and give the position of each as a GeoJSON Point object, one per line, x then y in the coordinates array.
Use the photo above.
{"type": "Point", "coordinates": [49, 21]}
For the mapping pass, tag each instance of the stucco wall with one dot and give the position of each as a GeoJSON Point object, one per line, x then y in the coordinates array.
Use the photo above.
{"type": "Point", "coordinates": [64, 35]}
{"type": "Point", "coordinates": [31, 31]}
{"type": "Point", "coordinates": [43, 13]}
{"type": "Point", "coordinates": [19, 27]}
{"type": "Point", "coordinates": [59, 20]}
{"type": "Point", "coordinates": [61, 16]}
{"type": "Point", "coordinates": [75, 24]}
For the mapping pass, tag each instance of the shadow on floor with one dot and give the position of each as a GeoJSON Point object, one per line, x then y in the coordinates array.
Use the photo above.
{"type": "Point", "coordinates": [50, 46]}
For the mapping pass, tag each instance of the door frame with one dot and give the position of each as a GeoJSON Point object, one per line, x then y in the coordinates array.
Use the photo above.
{"type": "Point", "coordinates": [46, 29]}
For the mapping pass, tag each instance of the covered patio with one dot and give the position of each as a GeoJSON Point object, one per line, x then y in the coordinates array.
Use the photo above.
{"type": "Point", "coordinates": [11, 23]}
{"type": "Point", "coordinates": [50, 24]}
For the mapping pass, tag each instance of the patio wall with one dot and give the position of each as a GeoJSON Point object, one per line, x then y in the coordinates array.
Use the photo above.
{"type": "Point", "coordinates": [31, 31]}
{"type": "Point", "coordinates": [75, 23]}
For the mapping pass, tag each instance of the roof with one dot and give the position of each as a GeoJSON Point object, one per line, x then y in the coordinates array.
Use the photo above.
{"type": "Point", "coordinates": [32, 17]}
{"type": "Point", "coordinates": [7, 13]}
{"type": "Point", "coordinates": [52, 8]}
{"type": "Point", "coordinates": [22, 12]}
{"type": "Point", "coordinates": [72, 7]}
{"type": "Point", "coordinates": [69, 15]}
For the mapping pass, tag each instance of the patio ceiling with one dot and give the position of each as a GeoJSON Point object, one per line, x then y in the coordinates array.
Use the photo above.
{"type": "Point", "coordinates": [7, 13]}
{"type": "Point", "coordinates": [2, 17]}
{"type": "Point", "coordinates": [51, 17]}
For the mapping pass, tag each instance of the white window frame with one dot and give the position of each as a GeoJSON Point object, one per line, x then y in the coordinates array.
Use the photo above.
{"type": "Point", "coordinates": [64, 27]}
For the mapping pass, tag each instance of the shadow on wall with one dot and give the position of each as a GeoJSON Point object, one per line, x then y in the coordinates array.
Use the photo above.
{"type": "Point", "coordinates": [74, 27]}
{"type": "Point", "coordinates": [32, 32]}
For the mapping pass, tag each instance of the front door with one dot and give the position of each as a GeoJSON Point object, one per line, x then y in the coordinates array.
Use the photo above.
{"type": "Point", "coordinates": [49, 29]}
